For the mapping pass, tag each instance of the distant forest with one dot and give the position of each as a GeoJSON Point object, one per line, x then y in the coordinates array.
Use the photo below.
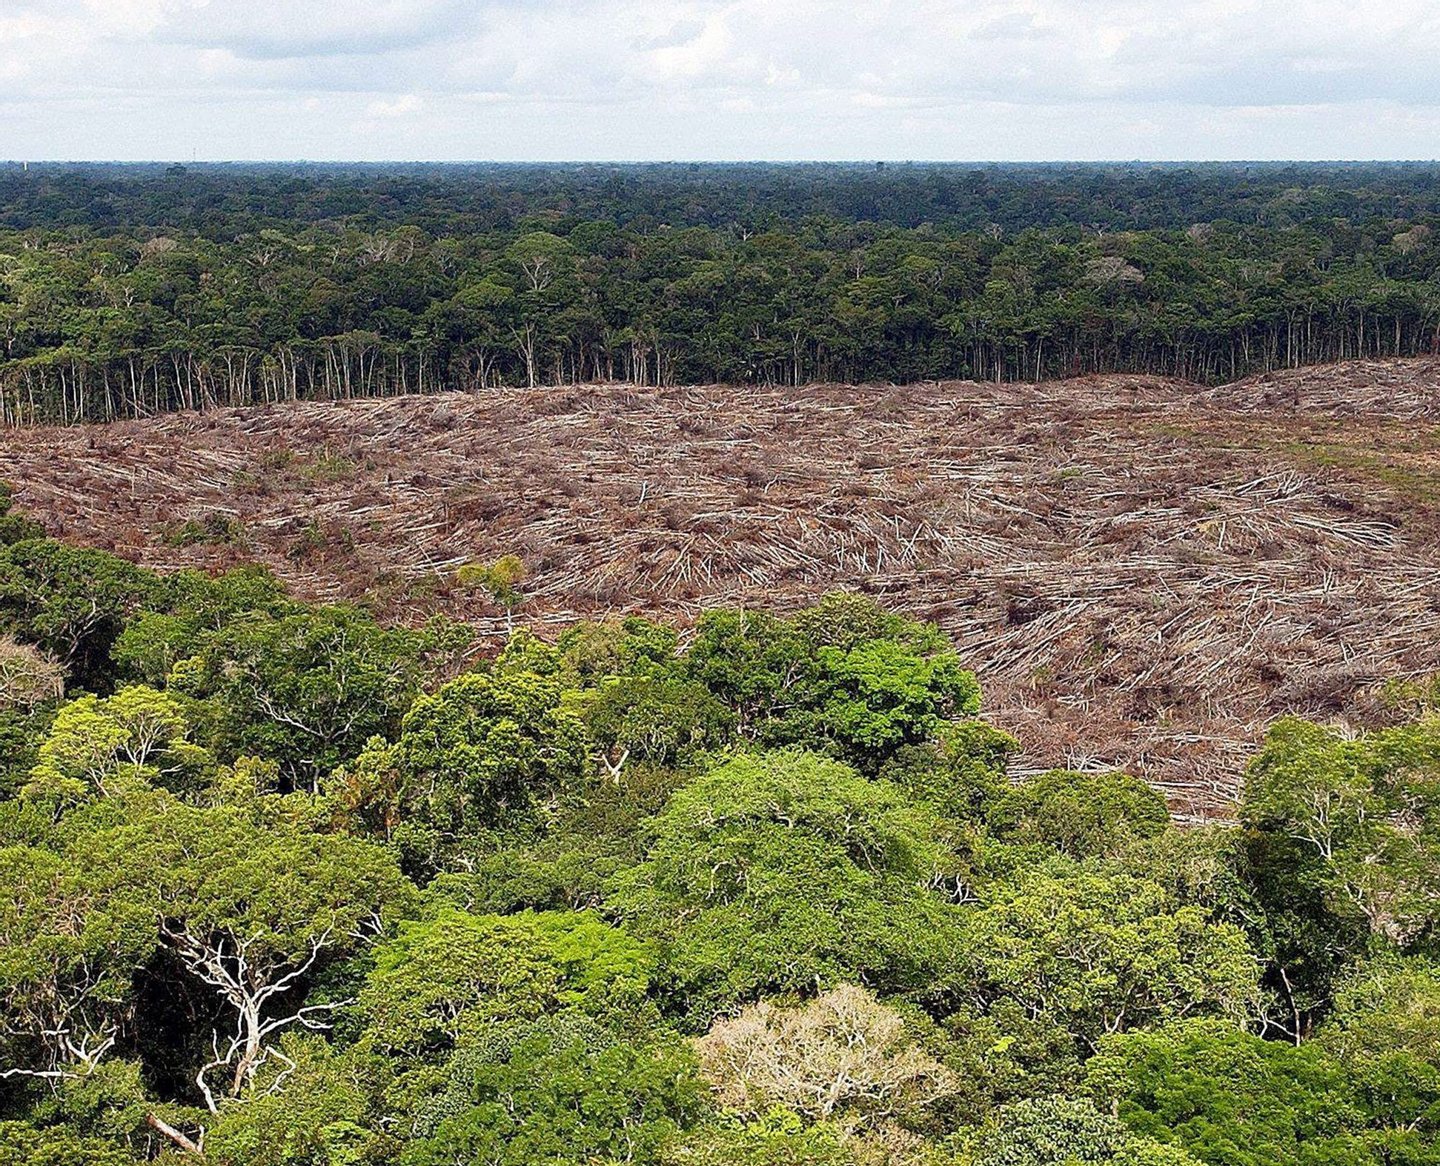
{"type": "Point", "coordinates": [131, 290]}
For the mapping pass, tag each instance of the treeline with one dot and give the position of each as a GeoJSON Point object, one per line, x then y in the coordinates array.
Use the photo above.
{"type": "Point", "coordinates": [133, 291]}
{"type": "Point", "coordinates": [280, 886]}
{"type": "Point", "coordinates": [223, 201]}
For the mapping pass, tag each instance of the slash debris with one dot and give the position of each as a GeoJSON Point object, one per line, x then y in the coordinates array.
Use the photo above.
{"type": "Point", "coordinates": [1143, 573]}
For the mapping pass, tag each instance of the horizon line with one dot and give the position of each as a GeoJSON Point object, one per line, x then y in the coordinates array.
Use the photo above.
{"type": "Point", "coordinates": [717, 162]}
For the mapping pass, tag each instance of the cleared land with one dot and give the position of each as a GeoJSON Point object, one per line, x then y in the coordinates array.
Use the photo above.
{"type": "Point", "coordinates": [1143, 572]}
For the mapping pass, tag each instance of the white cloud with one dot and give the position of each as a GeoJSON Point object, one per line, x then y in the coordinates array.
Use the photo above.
{"type": "Point", "coordinates": [717, 78]}
{"type": "Point", "coordinates": [281, 29]}
{"type": "Point", "coordinates": [401, 107]}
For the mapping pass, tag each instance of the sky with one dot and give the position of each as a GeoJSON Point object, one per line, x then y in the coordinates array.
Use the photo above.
{"type": "Point", "coordinates": [551, 80]}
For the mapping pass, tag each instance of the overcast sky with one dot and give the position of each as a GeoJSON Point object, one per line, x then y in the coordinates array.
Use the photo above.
{"type": "Point", "coordinates": [719, 79]}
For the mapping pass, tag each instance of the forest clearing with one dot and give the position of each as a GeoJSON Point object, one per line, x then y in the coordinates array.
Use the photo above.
{"type": "Point", "coordinates": [1143, 573]}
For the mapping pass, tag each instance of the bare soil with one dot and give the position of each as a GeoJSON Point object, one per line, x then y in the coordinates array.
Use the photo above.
{"type": "Point", "coordinates": [1144, 573]}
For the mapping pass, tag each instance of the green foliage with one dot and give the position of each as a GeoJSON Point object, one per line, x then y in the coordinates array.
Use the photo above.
{"type": "Point", "coordinates": [24, 1145]}
{"type": "Point", "coordinates": [843, 677]}
{"type": "Point", "coordinates": [750, 660]}
{"type": "Point", "coordinates": [448, 978]}
{"type": "Point", "coordinates": [325, 466]}
{"type": "Point", "coordinates": [492, 744]}
{"type": "Point", "coordinates": [489, 750]}
{"type": "Point", "coordinates": [15, 528]}
{"type": "Point", "coordinates": [901, 959]}
{"type": "Point", "coordinates": [778, 872]}
{"type": "Point", "coordinates": [1411, 697]}
{"type": "Point", "coordinates": [20, 738]}
{"type": "Point", "coordinates": [1000, 1053]}
{"type": "Point", "coordinates": [105, 1100]}
{"type": "Point", "coordinates": [132, 740]}
{"type": "Point", "coordinates": [633, 646]}
{"type": "Point", "coordinates": [1058, 1131]}
{"type": "Point", "coordinates": [500, 580]}
{"type": "Point", "coordinates": [636, 701]}
{"type": "Point", "coordinates": [558, 1091]}
{"type": "Point", "coordinates": [1200, 865]}
{"type": "Point", "coordinates": [524, 651]}
{"type": "Point", "coordinates": [257, 877]}
{"type": "Point", "coordinates": [779, 1138]}
{"type": "Point", "coordinates": [961, 773]}
{"type": "Point", "coordinates": [1359, 819]}
{"type": "Point", "coordinates": [188, 608]}
{"type": "Point", "coordinates": [306, 689]}
{"type": "Point", "coordinates": [244, 902]}
{"type": "Point", "coordinates": [660, 719]}
{"type": "Point", "coordinates": [1385, 1032]}
{"type": "Point", "coordinates": [1232, 1099]}
{"type": "Point", "coordinates": [212, 529]}
{"type": "Point", "coordinates": [70, 602]}
{"type": "Point", "coordinates": [342, 282]}
{"type": "Point", "coordinates": [326, 1110]}
{"type": "Point", "coordinates": [1079, 814]}
{"type": "Point", "coordinates": [72, 938]}
{"type": "Point", "coordinates": [1307, 944]}
{"type": "Point", "coordinates": [1099, 953]}
{"type": "Point", "coordinates": [880, 695]}
{"type": "Point", "coordinates": [587, 844]}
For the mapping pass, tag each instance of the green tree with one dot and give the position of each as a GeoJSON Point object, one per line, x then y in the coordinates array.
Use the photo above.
{"type": "Point", "coordinates": [779, 1138]}
{"type": "Point", "coordinates": [961, 773]}
{"type": "Point", "coordinates": [843, 677]}
{"type": "Point", "coordinates": [500, 580]}
{"type": "Point", "coordinates": [252, 904]}
{"type": "Point", "coordinates": [189, 608]}
{"type": "Point", "coordinates": [445, 979]}
{"type": "Point", "coordinates": [558, 1091]}
{"type": "Point", "coordinates": [1362, 817]}
{"type": "Point", "coordinates": [24, 1145]}
{"type": "Point", "coordinates": [136, 739]}
{"type": "Point", "coordinates": [879, 696]}
{"type": "Point", "coordinates": [1059, 1131]}
{"type": "Point", "coordinates": [1230, 1098]}
{"type": "Point", "coordinates": [70, 602]}
{"type": "Point", "coordinates": [1385, 1033]}
{"type": "Point", "coordinates": [591, 651]}
{"type": "Point", "coordinates": [486, 751]}
{"type": "Point", "coordinates": [784, 871]}
{"type": "Point", "coordinates": [662, 720]}
{"type": "Point", "coordinates": [306, 690]}
{"type": "Point", "coordinates": [71, 944]}
{"type": "Point", "coordinates": [1102, 954]}
{"type": "Point", "coordinates": [1079, 814]}
{"type": "Point", "coordinates": [313, 1105]}
{"type": "Point", "coordinates": [589, 841]}
{"type": "Point", "coordinates": [15, 528]}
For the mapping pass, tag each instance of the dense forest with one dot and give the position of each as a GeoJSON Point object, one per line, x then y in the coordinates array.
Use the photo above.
{"type": "Point", "coordinates": [130, 290]}
{"type": "Point", "coordinates": [282, 886]}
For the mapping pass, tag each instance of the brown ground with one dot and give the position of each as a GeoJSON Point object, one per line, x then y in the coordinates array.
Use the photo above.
{"type": "Point", "coordinates": [1142, 572]}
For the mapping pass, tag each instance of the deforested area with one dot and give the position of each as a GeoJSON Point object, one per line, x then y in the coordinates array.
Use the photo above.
{"type": "Point", "coordinates": [1143, 572]}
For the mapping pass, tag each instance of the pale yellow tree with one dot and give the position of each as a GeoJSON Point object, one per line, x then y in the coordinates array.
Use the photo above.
{"type": "Point", "coordinates": [27, 676]}
{"type": "Point", "coordinates": [843, 1057]}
